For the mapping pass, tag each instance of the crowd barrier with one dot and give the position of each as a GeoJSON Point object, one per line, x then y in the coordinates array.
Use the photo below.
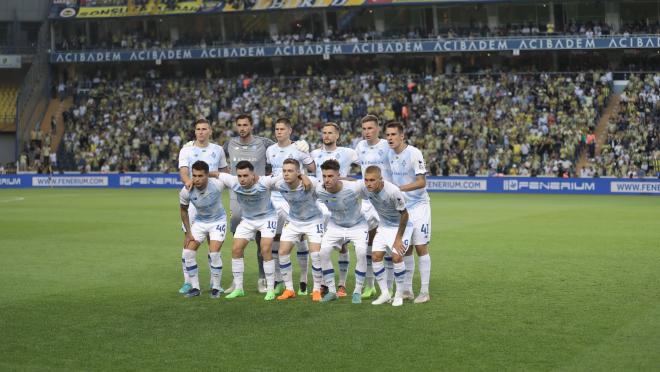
{"type": "Point", "coordinates": [503, 185]}
{"type": "Point", "coordinates": [402, 46]}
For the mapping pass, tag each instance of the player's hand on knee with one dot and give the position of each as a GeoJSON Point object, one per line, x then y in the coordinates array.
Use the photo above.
{"type": "Point", "coordinates": [189, 238]}
{"type": "Point", "coordinates": [398, 247]}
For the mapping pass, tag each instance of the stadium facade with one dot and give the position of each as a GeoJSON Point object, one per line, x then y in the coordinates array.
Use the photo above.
{"type": "Point", "coordinates": [78, 41]}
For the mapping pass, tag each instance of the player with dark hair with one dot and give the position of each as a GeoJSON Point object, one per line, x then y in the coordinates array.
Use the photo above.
{"type": "Point", "coordinates": [210, 221]}
{"type": "Point", "coordinates": [393, 233]}
{"type": "Point", "coordinates": [347, 223]}
{"type": "Point", "coordinates": [409, 174]}
{"type": "Point", "coordinates": [346, 157]}
{"type": "Point", "coordinates": [249, 147]}
{"type": "Point", "coordinates": [305, 220]}
{"type": "Point", "coordinates": [259, 216]}
{"type": "Point", "coordinates": [275, 156]}
{"type": "Point", "coordinates": [372, 150]}
{"type": "Point", "coordinates": [210, 153]}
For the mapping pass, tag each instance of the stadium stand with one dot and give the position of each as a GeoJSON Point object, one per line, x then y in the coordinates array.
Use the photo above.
{"type": "Point", "coordinates": [632, 145]}
{"type": "Point", "coordinates": [465, 124]}
{"type": "Point", "coordinates": [139, 39]}
{"type": "Point", "coordinates": [8, 94]}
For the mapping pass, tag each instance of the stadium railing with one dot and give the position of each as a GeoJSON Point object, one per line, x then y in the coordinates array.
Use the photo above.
{"type": "Point", "coordinates": [215, 43]}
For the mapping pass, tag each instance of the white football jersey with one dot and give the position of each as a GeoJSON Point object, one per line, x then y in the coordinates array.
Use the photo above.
{"type": "Point", "coordinates": [213, 155]}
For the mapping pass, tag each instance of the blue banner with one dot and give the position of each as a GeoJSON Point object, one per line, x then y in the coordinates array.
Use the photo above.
{"type": "Point", "coordinates": [372, 47]}
{"type": "Point", "coordinates": [150, 180]}
{"type": "Point", "coordinates": [505, 185]}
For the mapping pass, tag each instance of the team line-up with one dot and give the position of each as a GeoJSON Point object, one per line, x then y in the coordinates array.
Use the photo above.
{"type": "Point", "coordinates": [384, 215]}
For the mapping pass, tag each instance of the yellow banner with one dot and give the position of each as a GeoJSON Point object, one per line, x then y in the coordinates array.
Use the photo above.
{"type": "Point", "coordinates": [191, 7]}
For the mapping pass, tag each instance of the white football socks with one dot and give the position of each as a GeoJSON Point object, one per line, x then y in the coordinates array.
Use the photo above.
{"type": "Point", "coordinates": [379, 273]}
{"type": "Point", "coordinates": [215, 263]}
{"type": "Point", "coordinates": [328, 270]}
{"type": "Point", "coordinates": [370, 271]}
{"type": "Point", "coordinates": [237, 268]}
{"type": "Point", "coordinates": [183, 268]}
{"type": "Point", "coordinates": [400, 277]}
{"type": "Point", "coordinates": [389, 271]}
{"type": "Point", "coordinates": [190, 261]}
{"type": "Point", "coordinates": [425, 272]}
{"type": "Point", "coordinates": [302, 252]}
{"type": "Point", "coordinates": [344, 262]}
{"type": "Point", "coordinates": [285, 270]}
{"type": "Point", "coordinates": [275, 250]}
{"type": "Point", "coordinates": [317, 272]}
{"type": "Point", "coordinates": [409, 261]}
{"type": "Point", "coordinates": [269, 270]}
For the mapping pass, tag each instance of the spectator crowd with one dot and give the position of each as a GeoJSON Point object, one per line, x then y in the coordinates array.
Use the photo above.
{"type": "Point", "coordinates": [138, 39]}
{"type": "Point", "coordinates": [489, 124]}
{"type": "Point", "coordinates": [632, 148]}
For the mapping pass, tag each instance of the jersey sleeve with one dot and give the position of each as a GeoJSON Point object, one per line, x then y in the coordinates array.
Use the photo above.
{"type": "Point", "coordinates": [270, 181]}
{"type": "Point", "coordinates": [418, 163]}
{"type": "Point", "coordinates": [225, 149]}
{"type": "Point", "coordinates": [227, 180]}
{"type": "Point", "coordinates": [268, 142]}
{"type": "Point", "coordinates": [355, 186]}
{"type": "Point", "coordinates": [363, 190]}
{"type": "Point", "coordinates": [222, 161]}
{"type": "Point", "coordinates": [387, 170]}
{"type": "Point", "coordinates": [398, 198]}
{"type": "Point", "coordinates": [268, 151]}
{"type": "Point", "coordinates": [184, 196]}
{"type": "Point", "coordinates": [317, 183]}
{"type": "Point", "coordinates": [184, 157]}
{"type": "Point", "coordinates": [353, 156]}
{"type": "Point", "coordinates": [216, 181]}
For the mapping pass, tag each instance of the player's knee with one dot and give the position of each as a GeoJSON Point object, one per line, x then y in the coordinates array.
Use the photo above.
{"type": "Point", "coordinates": [422, 250]}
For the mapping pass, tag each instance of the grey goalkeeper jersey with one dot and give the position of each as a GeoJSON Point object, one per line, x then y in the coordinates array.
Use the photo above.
{"type": "Point", "coordinates": [254, 152]}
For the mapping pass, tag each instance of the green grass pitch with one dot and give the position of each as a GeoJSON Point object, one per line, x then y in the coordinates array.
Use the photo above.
{"type": "Point", "coordinates": [89, 282]}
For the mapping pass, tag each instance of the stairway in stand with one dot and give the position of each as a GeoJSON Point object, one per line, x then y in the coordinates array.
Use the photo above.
{"type": "Point", "coordinates": [55, 108]}
{"type": "Point", "coordinates": [601, 130]}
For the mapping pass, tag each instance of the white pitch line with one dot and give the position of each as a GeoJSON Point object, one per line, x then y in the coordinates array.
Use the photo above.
{"type": "Point", "coordinates": [14, 199]}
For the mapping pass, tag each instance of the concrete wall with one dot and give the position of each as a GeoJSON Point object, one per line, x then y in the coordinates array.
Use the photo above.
{"type": "Point", "coordinates": [26, 10]}
{"type": "Point", "coordinates": [7, 148]}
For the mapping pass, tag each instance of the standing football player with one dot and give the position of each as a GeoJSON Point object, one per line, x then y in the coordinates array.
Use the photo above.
{"type": "Point", "coordinates": [346, 157]}
{"type": "Point", "coordinates": [275, 156]}
{"type": "Point", "coordinates": [347, 224]}
{"type": "Point", "coordinates": [305, 220]}
{"type": "Point", "coordinates": [259, 215]}
{"type": "Point", "coordinates": [409, 173]}
{"type": "Point", "coordinates": [210, 221]}
{"type": "Point", "coordinates": [372, 150]}
{"type": "Point", "coordinates": [250, 148]}
{"type": "Point", "coordinates": [393, 233]}
{"type": "Point", "coordinates": [210, 153]}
